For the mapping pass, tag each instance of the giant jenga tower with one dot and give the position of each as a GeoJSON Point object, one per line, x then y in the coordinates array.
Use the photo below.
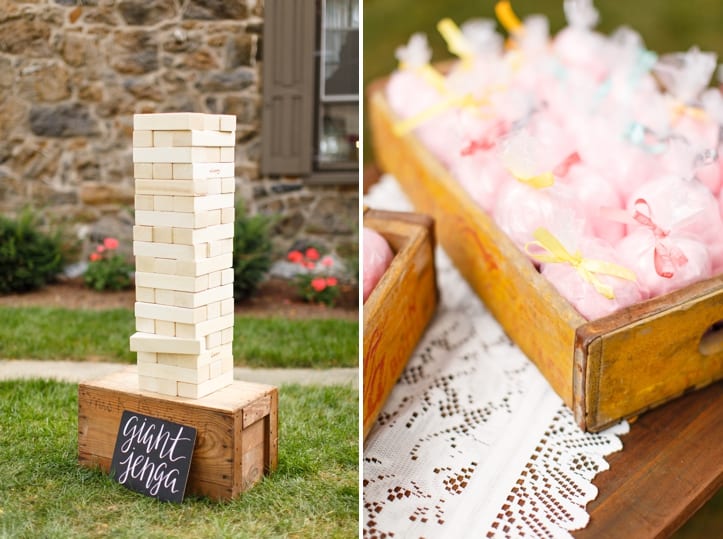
{"type": "Point", "coordinates": [183, 243]}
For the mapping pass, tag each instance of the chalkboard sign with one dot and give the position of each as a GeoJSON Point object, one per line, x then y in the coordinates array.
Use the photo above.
{"type": "Point", "coordinates": [153, 456]}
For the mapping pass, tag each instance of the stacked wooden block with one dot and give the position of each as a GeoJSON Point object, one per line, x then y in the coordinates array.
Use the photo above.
{"type": "Point", "coordinates": [183, 243]}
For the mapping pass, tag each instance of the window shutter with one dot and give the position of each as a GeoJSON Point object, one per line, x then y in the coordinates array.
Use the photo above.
{"type": "Point", "coordinates": [288, 87]}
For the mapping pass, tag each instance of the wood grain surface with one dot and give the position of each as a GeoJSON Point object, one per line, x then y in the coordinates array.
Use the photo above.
{"type": "Point", "coordinates": [670, 465]}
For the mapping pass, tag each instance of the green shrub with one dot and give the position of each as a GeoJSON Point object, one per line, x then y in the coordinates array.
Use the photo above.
{"type": "Point", "coordinates": [107, 269]}
{"type": "Point", "coordinates": [29, 258]}
{"type": "Point", "coordinates": [252, 251]}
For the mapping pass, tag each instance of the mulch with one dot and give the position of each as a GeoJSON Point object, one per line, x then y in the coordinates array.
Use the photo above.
{"type": "Point", "coordinates": [274, 297]}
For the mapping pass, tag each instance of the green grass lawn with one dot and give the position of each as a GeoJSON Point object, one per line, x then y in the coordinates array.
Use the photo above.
{"type": "Point", "coordinates": [44, 493]}
{"type": "Point", "coordinates": [665, 26]}
{"type": "Point", "coordinates": [53, 333]}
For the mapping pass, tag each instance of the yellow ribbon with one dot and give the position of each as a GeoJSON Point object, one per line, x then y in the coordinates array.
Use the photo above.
{"type": "Point", "coordinates": [411, 123]}
{"type": "Point", "coordinates": [429, 74]}
{"type": "Point", "coordinates": [680, 109]}
{"type": "Point", "coordinates": [506, 15]}
{"type": "Point", "coordinates": [456, 42]}
{"type": "Point", "coordinates": [587, 268]}
{"type": "Point", "coordinates": [546, 179]}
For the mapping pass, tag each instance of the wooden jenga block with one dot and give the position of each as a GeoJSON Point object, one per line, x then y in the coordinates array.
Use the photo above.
{"type": "Point", "coordinates": [143, 170]}
{"type": "Point", "coordinates": [197, 391]}
{"type": "Point", "coordinates": [168, 187]}
{"type": "Point", "coordinates": [158, 385]}
{"type": "Point", "coordinates": [165, 328]}
{"type": "Point", "coordinates": [203, 329]}
{"type": "Point", "coordinates": [219, 247]}
{"type": "Point", "coordinates": [206, 203]}
{"type": "Point", "coordinates": [143, 233]}
{"type": "Point", "coordinates": [176, 121]}
{"type": "Point", "coordinates": [187, 236]}
{"type": "Point", "coordinates": [144, 202]}
{"type": "Point", "coordinates": [170, 250]}
{"type": "Point", "coordinates": [227, 336]}
{"type": "Point", "coordinates": [188, 154]}
{"type": "Point", "coordinates": [214, 279]}
{"type": "Point", "coordinates": [213, 310]}
{"type": "Point", "coordinates": [227, 305]}
{"type": "Point", "coordinates": [189, 361]}
{"type": "Point", "coordinates": [214, 339]}
{"type": "Point", "coordinates": [227, 122]}
{"type": "Point", "coordinates": [147, 357]}
{"type": "Point", "coordinates": [172, 282]}
{"type": "Point", "coordinates": [201, 219]}
{"type": "Point", "coordinates": [214, 186]}
{"type": "Point", "coordinates": [193, 138]}
{"type": "Point", "coordinates": [228, 215]}
{"type": "Point", "coordinates": [142, 139]}
{"type": "Point", "coordinates": [145, 325]}
{"type": "Point", "coordinates": [228, 185]}
{"type": "Point", "coordinates": [170, 372]}
{"type": "Point", "coordinates": [163, 234]}
{"type": "Point", "coordinates": [145, 294]}
{"type": "Point", "coordinates": [220, 366]}
{"type": "Point", "coordinates": [226, 155]}
{"type": "Point", "coordinates": [162, 171]}
{"type": "Point", "coordinates": [148, 342]}
{"type": "Point", "coordinates": [191, 300]}
{"type": "Point", "coordinates": [197, 171]}
{"type": "Point", "coordinates": [169, 313]}
{"type": "Point", "coordinates": [227, 276]}
{"type": "Point", "coordinates": [204, 266]}
{"type": "Point", "coordinates": [163, 203]}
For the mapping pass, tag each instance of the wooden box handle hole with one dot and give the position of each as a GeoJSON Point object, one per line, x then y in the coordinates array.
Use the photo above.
{"type": "Point", "coordinates": [712, 340]}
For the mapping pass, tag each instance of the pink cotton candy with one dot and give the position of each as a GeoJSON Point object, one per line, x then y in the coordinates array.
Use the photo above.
{"type": "Point", "coordinates": [520, 209]}
{"type": "Point", "coordinates": [481, 175]}
{"type": "Point", "coordinates": [377, 258]}
{"type": "Point", "coordinates": [681, 207]}
{"type": "Point", "coordinates": [581, 294]}
{"type": "Point", "coordinates": [687, 259]}
{"type": "Point", "coordinates": [592, 192]}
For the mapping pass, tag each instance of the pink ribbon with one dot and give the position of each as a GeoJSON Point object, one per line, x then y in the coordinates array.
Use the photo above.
{"type": "Point", "coordinates": [563, 168]}
{"type": "Point", "coordinates": [487, 141]}
{"type": "Point", "coordinates": [666, 257]}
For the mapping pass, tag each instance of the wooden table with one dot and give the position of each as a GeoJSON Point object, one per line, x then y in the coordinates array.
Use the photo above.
{"type": "Point", "coordinates": [670, 465]}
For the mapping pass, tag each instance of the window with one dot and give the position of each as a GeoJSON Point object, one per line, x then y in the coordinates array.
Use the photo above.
{"type": "Point", "coordinates": [338, 109]}
{"type": "Point", "coordinates": [310, 117]}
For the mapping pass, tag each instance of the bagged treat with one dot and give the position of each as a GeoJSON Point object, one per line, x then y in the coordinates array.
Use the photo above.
{"type": "Point", "coordinates": [377, 257]}
{"type": "Point", "coordinates": [662, 262]}
{"type": "Point", "coordinates": [587, 274]}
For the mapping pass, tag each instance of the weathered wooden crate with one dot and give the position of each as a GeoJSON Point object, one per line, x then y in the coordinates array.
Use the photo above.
{"type": "Point", "coordinates": [612, 368]}
{"type": "Point", "coordinates": [399, 309]}
{"type": "Point", "coordinates": [237, 429]}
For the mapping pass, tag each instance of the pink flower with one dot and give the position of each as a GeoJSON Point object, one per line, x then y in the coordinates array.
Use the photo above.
{"type": "Point", "coordinates": [94, 257]}
{"type": "Point", "coordinates": [100, 249]}
{"type": "Point", "coordinates": [331, 281]}
{"type": "Point", "coordinates": [295, 257]}
{"type": "Point", "coordinates": [318, 284]}
{"type": "Point", "coordinates": [309, 265]}
{"type": "Point", "coordinates": [110, 243]}
{"type": "Point", "coordinates": [312, 254]}
{"type": "Point", "coordinates": [327, 261]}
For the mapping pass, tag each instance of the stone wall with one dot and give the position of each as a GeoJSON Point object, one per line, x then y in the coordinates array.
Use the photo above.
{"type": "Point", "coordinates": [73, 72]}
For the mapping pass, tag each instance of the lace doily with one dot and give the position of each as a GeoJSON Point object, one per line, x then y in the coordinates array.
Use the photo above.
{"type": "Point", "coordinates": [472, 441]}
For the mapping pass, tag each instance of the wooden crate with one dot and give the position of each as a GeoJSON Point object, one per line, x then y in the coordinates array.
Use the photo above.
{"type": "Point", "coordinates": [399, 309]}
{"type": "Point", "coordinates": [605, 370]}
{"type": "Point", "coordinates": [237, 429]}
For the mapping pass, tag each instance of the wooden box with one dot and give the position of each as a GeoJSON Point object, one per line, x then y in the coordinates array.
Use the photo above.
{"type": "Point", "coordinates": [611, 368]}
{"type": "Point", "coordinates": [399, 309]}
{"type": "Point", "coordinates": [237, 429]}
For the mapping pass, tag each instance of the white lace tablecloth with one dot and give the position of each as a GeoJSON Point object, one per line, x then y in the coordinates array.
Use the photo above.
{"type": "Point", "coordinates": [472, 441]}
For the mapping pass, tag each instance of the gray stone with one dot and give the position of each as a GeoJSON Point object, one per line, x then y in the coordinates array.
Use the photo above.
{"type": "Point", "coordinates": [144, 89]}
{"type": "Point", "coordinates": [239, 51]}
{"type": "Point", "coordinates": [12, 114]}
{"type": "Point", "coordinates": [134, 52]}
{"type": "Point", "coordinates": [46, 82]}
{"type": "Point", "coordinates": [286, 270]}
{"type": "Point", "coordinates": [66, 120]}
{"type": "Point", "coordinates": [227, 81]}
{"type": "Point", "coordinates": [281, 188]}
{"type": "Point", "coordinates": [216, 9]}
{"type": "Point", "coordinates": [246, 108]}
{"type": "Point", "coordinates": [334, 215]}
{"type": "Point", "coordinates": [146, 12]}
{"type": "Point", "coordinates": [7, 73]}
